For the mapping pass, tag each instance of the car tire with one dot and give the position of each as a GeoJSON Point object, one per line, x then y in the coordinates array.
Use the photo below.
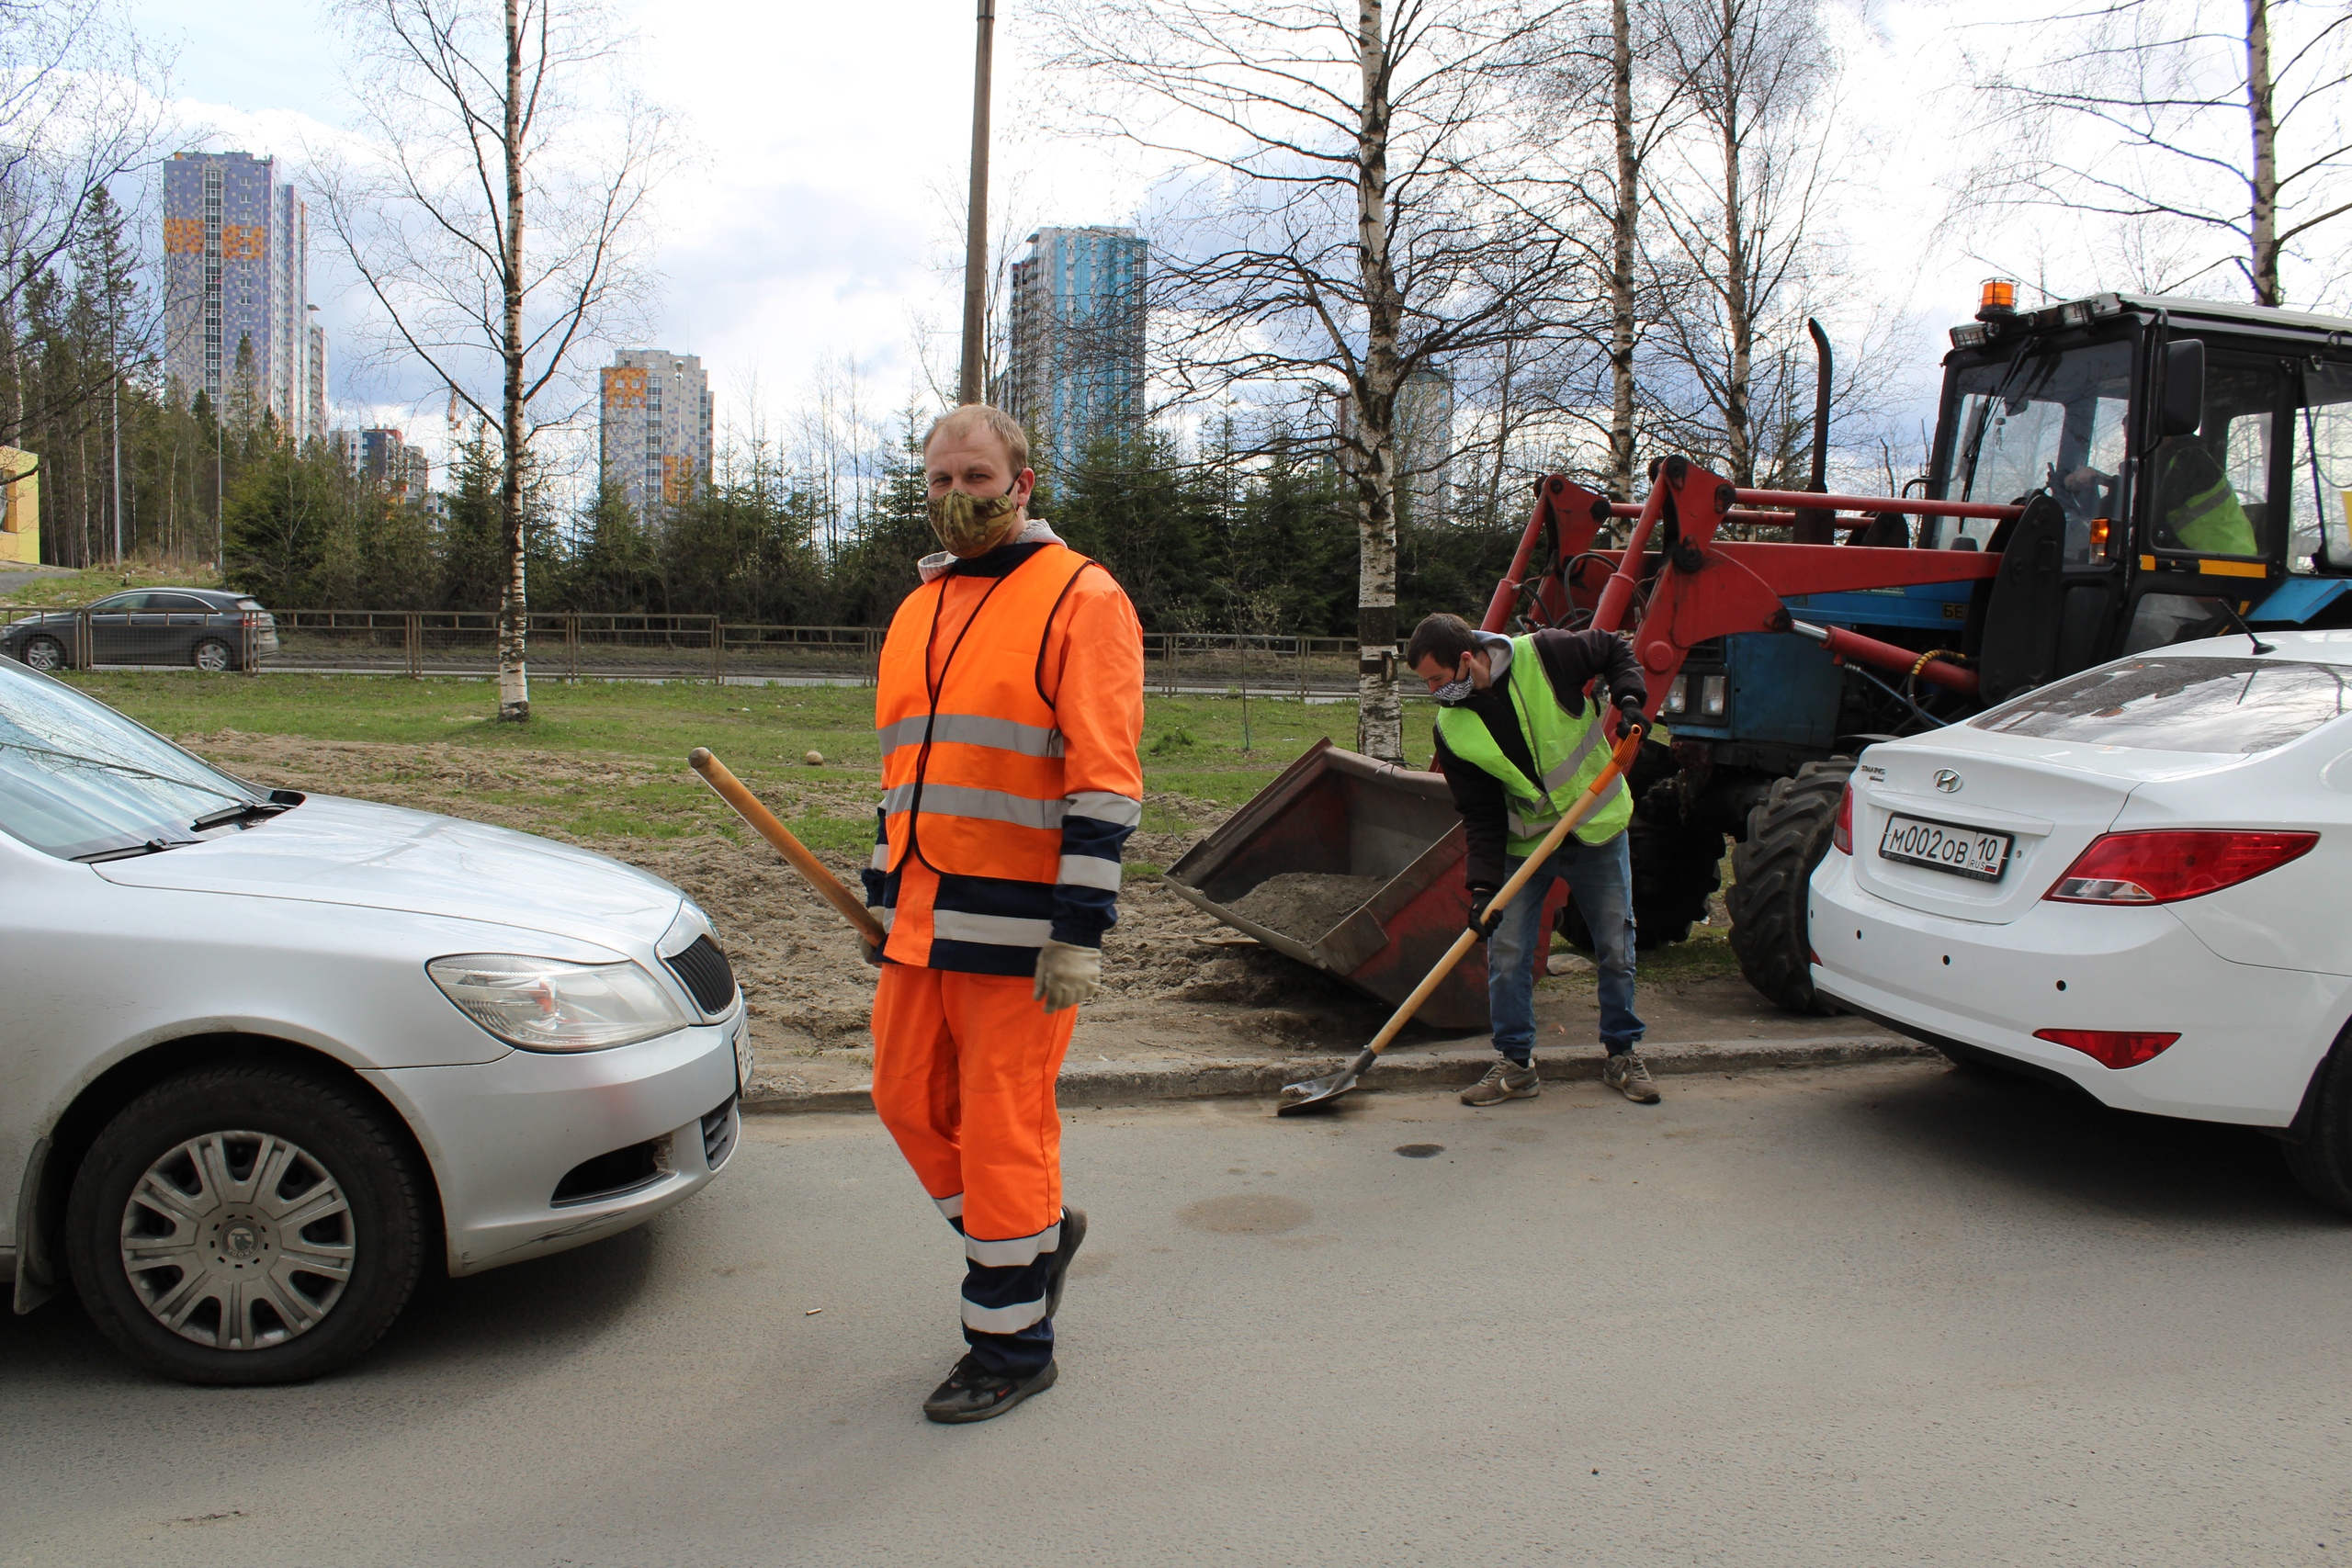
{"type": "Point", "coordinates": [2319, 1145]}
{"type": "Point", "coordinates": [46, 654]}
{"type": "Point", "coordinates": [213, 656]}
{"type": "Point", "coordinates": [161, 1185]}
{"type": "Point", "coordinates": [1771, 883]}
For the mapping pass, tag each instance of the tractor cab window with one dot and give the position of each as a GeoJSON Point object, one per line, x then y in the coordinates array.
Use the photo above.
{"type": "Point", "coordinates": [2319, 470]}
{"type": "Point", "coordinates": [2211, 490]}
{"type": "Point", "coordinates": [2054, 421]}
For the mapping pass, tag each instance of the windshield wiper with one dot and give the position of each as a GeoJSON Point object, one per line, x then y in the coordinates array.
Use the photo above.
{"type": "Point", "coordinates": [152, 847]}
{"type": "Point", "coordinates": [244, 811]}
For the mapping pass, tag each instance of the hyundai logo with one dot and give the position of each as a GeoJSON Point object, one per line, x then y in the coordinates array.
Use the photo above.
{"type": "Point", "coordinates": [1947, 781]}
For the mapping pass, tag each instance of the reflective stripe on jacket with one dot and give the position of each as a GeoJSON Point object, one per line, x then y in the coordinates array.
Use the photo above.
{"type": "Point", "coordinates": [1002, 818]}
{"type": "Point", "coordinates": [2214, 523]}
{"type": "Point", "coordinates": [1569, 753]}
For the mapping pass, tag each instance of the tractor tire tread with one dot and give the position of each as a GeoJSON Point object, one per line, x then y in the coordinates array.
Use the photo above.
{"type": "Point", "coordinates": [1771, 876]}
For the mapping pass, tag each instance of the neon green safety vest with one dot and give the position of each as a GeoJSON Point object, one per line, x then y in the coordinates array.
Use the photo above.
{"type": "Point", "coordinates": [2212, 523]}
{"type": "Point", "coordinates": [1568, 751]}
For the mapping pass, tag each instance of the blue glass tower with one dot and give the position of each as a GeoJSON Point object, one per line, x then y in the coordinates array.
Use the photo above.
{"type": "Point", "coordinates": [1078, 335]}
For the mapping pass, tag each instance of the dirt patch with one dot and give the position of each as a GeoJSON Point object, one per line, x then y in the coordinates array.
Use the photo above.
{"type": "Point", "coordinates": [808, 995]}
{"type": "Point", "coordinates": [1306, 904]}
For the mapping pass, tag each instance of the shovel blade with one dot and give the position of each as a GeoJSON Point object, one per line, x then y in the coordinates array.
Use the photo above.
{"type": "Point", "coordinates": [1316, 1093]}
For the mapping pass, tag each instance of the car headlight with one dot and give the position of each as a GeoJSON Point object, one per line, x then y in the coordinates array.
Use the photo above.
{"type": "Point", "coordinates": [544, 1004]}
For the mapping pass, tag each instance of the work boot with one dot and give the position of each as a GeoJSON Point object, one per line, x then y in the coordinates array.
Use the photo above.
{"type": "Point", "coordinates": [973, 1393]}
{"type": "Point", "coordinates": [1073, 1232]}
{"type": "Point", "coordinates": [1626, 1073]}
{"type": "Point", "coordinates": [1506, 1080]}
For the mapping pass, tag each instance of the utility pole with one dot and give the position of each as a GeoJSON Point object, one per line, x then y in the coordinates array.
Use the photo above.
{"type": "Point", "coordinates": [114, 399]}
{"type": "Point", "coordinates": [969, 387]}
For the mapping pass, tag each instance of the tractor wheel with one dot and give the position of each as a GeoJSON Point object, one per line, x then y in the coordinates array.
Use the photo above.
{"type": "Point", "coordinates": [1676, 866]}
{"type": "Point", "coordinates": [1771, 873]}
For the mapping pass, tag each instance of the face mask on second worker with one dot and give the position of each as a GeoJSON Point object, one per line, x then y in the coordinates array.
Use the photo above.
{"type": "Point", "coordinates": [966, 523]}
{"type": "Point", "coordinates": [1456, 690]}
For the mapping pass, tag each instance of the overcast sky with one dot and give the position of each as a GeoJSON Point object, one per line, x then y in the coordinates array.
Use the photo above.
{"type": "Point", "coordinates": [817, 222]}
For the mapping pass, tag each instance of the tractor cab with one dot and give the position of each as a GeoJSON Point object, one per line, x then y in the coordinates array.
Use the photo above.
{"type": "Point", "coordinates": [2177, 460]}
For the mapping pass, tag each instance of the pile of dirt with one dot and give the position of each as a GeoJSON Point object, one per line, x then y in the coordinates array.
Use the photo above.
{"type": "Point", "coordinates": [804, 986]}
{"type": "Point", "coordinates": [1306, 904]}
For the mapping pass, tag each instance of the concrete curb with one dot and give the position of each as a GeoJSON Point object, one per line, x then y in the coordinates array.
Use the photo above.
{"type": "Point", "coordinates": [1452, 1067]}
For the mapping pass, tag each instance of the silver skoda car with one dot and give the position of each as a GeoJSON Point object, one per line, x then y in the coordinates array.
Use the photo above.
{"type": "Point", "coordinates": [266, 1057]}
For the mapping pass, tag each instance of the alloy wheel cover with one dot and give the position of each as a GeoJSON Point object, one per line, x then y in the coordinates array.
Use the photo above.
{"type": "Point", "coordinates": [238, 1240]}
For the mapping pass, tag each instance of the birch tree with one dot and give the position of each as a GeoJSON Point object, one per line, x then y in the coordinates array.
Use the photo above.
{"type": "Point", "coordinates": [1349, 201]}
{"type": "Point", "coordinates": [2214, 135]}
{"type": "Point", "coordinates": [1750, 171]}
{"type": "Point", "coordinates": [494, 218]}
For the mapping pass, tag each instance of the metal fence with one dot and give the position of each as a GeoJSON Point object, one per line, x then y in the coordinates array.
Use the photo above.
{"type": "Point", "coordinates": [584, 646]}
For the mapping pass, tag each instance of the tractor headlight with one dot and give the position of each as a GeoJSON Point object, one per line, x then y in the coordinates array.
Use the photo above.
{"type": "Point", "coordinates": [545, 1004]}
{"type": "Point", "coordinates": [1678, 696]}
{"type": "Point", "coordinates": [1711, 696]}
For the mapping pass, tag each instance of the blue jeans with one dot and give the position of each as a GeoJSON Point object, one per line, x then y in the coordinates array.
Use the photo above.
{"type": "Point", "coordinates": [1600, 880]}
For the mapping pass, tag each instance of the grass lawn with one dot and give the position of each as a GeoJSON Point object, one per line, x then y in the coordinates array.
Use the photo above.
{"type": "Point", "coordinates": [634, 736]}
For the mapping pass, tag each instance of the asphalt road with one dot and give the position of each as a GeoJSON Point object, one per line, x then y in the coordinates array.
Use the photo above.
{"type": "Point", "coordinates": [1867, 1315]}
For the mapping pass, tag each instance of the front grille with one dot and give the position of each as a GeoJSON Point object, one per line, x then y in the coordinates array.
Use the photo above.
{"type": "Point", "coordinates": [703, 969]}
{"type": "Point", "coordinates": [718, 1131]}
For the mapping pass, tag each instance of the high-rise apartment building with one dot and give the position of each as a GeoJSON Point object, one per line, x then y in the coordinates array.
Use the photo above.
{"type": "Point", "coordinates": [236, 281]}
{"type": "Point", "coordinates": [1077, 334]}
{"type": "Point", "coordinates": [317, 390]}
{"type": "Point", "coordinates": [1425, 446]}
{"type": "Point", "coordinates": [654, 427]}
{"type": "Point", "coordinates": [382, 456]}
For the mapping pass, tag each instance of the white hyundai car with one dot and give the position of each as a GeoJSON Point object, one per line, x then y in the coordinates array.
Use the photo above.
{"type": "Point", "coordinates": [266, 1057]}
{"type": "Point", "coordinates": [2133, 877]}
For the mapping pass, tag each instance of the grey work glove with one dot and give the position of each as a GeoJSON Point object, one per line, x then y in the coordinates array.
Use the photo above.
{"type": "Point", "coordinates": [1067, 976]}
{"type": "Point", "coordinates": [869, 953]}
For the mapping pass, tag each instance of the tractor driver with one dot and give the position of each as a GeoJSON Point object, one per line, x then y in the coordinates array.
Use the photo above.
{"type": "Point", "coordinates": [2197, 509]}
{"type": "Point", "coordinates": [1519, 743]}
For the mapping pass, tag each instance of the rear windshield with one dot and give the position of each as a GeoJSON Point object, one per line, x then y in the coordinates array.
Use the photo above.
{"type": "Point", "coordinates": [2230, 707]}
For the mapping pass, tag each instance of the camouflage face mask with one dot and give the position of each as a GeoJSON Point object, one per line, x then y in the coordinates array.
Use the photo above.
{"type": "Point", "coordinates": [965, 524]}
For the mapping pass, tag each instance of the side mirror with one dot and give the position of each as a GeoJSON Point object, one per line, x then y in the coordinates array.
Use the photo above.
{"type": "Point", "coordinates": [2184, 388]}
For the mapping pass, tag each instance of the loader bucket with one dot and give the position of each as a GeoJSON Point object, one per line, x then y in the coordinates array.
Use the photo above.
{"type": "Point", "coordinates": [1335, 812]}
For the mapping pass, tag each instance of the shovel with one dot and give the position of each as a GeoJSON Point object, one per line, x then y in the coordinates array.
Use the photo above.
{"type": "Point", "coordinates": [1317, 1093]}
{"type": "Point", "coordinates": [746, 805]}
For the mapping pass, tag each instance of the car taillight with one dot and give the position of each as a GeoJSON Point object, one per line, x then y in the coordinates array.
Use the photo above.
{"type": "Point", "coordinates": [1841, 834]}
{"type": "Point", "coordinates": [2165, 866]}
{"type": "Point", "coordinates": [2111, 1047]}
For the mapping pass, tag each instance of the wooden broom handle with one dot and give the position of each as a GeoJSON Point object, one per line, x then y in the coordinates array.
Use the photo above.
{"type": "Point", "coordinates": [746, 805]}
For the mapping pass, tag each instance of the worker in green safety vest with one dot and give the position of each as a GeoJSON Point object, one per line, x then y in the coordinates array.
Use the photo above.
{"type": "Point", "coordinates": [1519, 743]}
{"type": "Point", "coordinates": [2194, 498]}
{"type": "Point", "coordinates": [2197, 509]}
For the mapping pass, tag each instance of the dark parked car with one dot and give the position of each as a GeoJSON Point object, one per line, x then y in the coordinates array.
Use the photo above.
{"type": "Point", "coordinates": [203, 627]}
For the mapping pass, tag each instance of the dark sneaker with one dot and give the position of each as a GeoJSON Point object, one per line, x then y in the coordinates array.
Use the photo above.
{"type": "Point", "coordinates": [972, 1394]}
{"type": "Point", "coordinates": [1626, 1074]}
{"type": "Point", "coordinates": [1073, 1233]}
{"type": "Point", "coordinates": [1505, 1080]}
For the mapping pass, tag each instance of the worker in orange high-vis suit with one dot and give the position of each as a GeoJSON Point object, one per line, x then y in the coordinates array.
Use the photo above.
{"type": "Point", "coordinates": [1009, 705]}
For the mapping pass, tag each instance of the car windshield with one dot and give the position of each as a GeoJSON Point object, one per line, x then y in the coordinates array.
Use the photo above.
{"type": "Point", "coordinates": [2049, 422]}
{"type": "Point", "coordinates": [77, 778]}
{"type": "Point", "coordinates": [2228, 707]}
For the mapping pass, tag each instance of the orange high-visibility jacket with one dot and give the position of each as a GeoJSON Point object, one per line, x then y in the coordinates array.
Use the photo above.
{"type": "Point", "coordinates": [1010, 704]}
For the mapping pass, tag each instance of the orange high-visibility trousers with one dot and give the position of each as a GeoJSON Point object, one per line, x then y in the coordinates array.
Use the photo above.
{"type": "Point", "coordinates": [964, 1069]}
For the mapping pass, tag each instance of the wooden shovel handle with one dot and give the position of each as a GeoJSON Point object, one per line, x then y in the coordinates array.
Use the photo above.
{"type": "Point", "coordinates": [746, 805]}
{"type": "Point", "coordinates": [1619, 759]}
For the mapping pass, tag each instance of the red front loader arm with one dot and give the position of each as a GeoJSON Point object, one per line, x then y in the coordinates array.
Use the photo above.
{"type": "Point", "coordinates": [1675, 585]}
